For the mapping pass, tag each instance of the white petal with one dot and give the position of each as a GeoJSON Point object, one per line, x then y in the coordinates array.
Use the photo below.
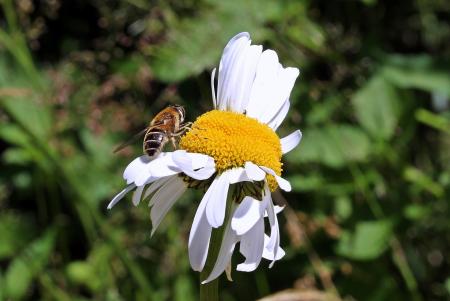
{"type": "Point", "coordinates": [263, 89]}
{"type": "Point", "coordinates": [199, 237]}
{"type": "Point", "coordinates": [246, 215]}
{"type": "Point", "coordinates": [197, 166]}
{"type": "Point", "coordinates": [120, 195]}
{"type": "Point", "coordinates": [271, 88]}
{"type": "Point", "coordinates": [276, 120]}
{"type": "Point", "coordinates": [230, 56]}
{"type": "Point", "coordinates": [289, 142]}
{"type": "Point", "coordinates": [213, 89]}
{"type": "Point", "coordinates": [282, 88]}
{"type": "Point", "coordinates": [242, 77]}
{"type": "Point", "coordinates": [226, 251]}
{"type": "Point", "coordinates": [155, 186]}
{"type": "Point", "coordinates": [236, 175]}
{"type": "Point", "coordinates": [254, 172]}
{"type": "Point", "coordinates": [252, 247]}
{"type": "Point", "coordinates": [284, 184]}
{"type": "Point", "coordinates": [164, 199]}
{"type": "Point", "coordinates": [137, 195]}
{"type": "Point", "coordinates": [269, 254]}
{"type": "Point", "coordinates": [273, 243]}
{"type": "Point", "coordinates": [137, 167]}
{"type": "Point", "coordinates": [160, 167]}
{"type": "Point", "coordinates": [217, 199]}
{"type": "Point", "coordinates": [277, 210]}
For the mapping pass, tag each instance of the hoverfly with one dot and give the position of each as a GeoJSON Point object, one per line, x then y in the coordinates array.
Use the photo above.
{"type": "Point", "coordinates": [166, 125]}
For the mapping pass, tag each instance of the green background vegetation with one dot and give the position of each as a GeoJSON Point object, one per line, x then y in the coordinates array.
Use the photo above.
{"type": "Point", "coordinates": [368, 218]}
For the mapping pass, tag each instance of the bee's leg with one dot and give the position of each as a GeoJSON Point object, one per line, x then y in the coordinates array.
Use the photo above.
{"type": "Point", "coordinates": [173, 140]}
{"type": "Point", "coordinates": [183, 128]}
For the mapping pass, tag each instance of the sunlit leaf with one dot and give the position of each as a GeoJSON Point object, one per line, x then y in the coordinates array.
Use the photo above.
{"type": "Point", "coordinates": [194, 44]}
{"type": "Point", "coordinates": [28, 265]}
{"type": "Point", "coordinates": [423, 181]}
{"type": "Point", "coordinates": [343, 207]}
{"type": "Point", "coordinates": [377, 107]}
{"type": "Point", "coordinates": [332, 145]}
{"type": "Point", "coordinates": [34, 117]}
{"type": "Point", "coordinates": [419, 72]}
{"type": "Point", "coordinates": [367, 242]}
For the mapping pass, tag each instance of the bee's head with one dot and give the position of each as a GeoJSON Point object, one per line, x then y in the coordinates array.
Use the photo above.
{"type": "Point", "coordinates": [180, 110]}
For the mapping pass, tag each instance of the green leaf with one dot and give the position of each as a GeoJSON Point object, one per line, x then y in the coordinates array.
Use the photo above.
{"type": "Point", "coordinates": [14, 135]}
{"type": "Point", "coordinates": [332, 145]}
{"type": "Point", "coordinates": [193, 44]}
{"type": "Point", "coordinates": [377, 107]}
{"type": "Point", "coordinates": [81, 272]}
{"type": "Point", "coordinates": [25, 267]}
{"type": "Point", "coordinates": [423, 181]}
{"type": "Point", "coordinates": [15, 232]}
{"type": "Point", "coordinates": [34, 117]}
{"type": "Point", "coordinates": [343, 207]}
{"type": "Point", "coordinates": [306, 183]}
{"type": "Point", "coordinates": [416, 212]}
{"type": "Point", "coordinates": [367, 242]}
{"type": "Point", "coordinates": [439, 122]}
{"type": "Point", "coordinates": [419, 72]}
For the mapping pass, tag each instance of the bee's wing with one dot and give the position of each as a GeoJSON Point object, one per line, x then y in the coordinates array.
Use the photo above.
{"type": "Point", "coordinates": [130, 141]}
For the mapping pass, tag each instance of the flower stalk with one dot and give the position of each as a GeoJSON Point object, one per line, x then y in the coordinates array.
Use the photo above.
{"type": "Point", "coordinates": [210, 291]}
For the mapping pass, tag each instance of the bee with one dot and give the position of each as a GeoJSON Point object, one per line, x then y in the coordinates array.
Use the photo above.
{"type": "Point", "coordinates": [164, 127]}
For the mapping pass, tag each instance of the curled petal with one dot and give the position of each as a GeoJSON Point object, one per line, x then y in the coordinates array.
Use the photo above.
{"type": "Point", "coordinates": [164, 199]}
{"type": "Point", "coordinates": [120, 196]}
{"type": "Point", "coordinates": [289, 142]}
{"type": "Point", "coordinates": [155, 186]}
{"type": "Point", "coordinates": [269, 254]}
{"type": "Point", "coordinates": [236, 175]}
{"type": "Point", "coordinates": [217, 199]}
{"type": "Point", "coordinates": [199, 237]}
{"type": "Point", "coordinates": [196, 166]}
{"type": "Point", "coordinates": [252, 247]}
{"type": "Point", "coordinates": [246, 215]}
{"type": "Point", "coordinates": [229, 241]}
{"type": "Point", "coordinates": [137, 195]}
{"type": "Point", "coordinates": [273, 244]}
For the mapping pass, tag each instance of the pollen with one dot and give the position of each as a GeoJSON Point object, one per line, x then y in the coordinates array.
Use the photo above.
{"type": "Point", "coordinates": [233, 139]}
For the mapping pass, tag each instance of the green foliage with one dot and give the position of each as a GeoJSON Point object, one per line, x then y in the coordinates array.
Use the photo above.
{"type": "Point", "coordinates": [334, 146]}
{"type": "Point", "coordinates": [377, 107]}
{"type": "Point", "coordinates": [369, 240]}
{"type": "Point", "coordinates": [27, 265]}
{"type": "Point", "coordinates": [368, 215]}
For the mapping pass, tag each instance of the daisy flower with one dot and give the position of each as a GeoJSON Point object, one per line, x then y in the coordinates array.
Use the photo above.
{"type": "Point", "coordinates": [234, 154]}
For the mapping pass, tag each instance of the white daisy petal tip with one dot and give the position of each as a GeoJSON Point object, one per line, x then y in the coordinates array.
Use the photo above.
{"type": "Point", "coordinates": [291, 141]}
{"type": "Point", "coordinates": [246, 267]}
{"type": "Point", "coordinates": [282, 183]}
{"type": "Point", "coordinates": [120, 196]}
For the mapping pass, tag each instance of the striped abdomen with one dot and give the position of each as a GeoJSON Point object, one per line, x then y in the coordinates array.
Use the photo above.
{"type": "Point", "coordinates": [154, 141]}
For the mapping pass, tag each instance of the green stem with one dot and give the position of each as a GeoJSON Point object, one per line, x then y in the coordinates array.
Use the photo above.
{"type": "Point", "coordinates": [210, 291]}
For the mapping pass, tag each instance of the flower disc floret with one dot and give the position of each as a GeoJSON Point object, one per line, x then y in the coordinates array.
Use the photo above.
{"type": "Point", "coordinates": [233, 139]}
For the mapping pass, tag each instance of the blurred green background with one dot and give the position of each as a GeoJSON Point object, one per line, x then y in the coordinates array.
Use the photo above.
{"type": "Point", "coordinates": [368, 218]}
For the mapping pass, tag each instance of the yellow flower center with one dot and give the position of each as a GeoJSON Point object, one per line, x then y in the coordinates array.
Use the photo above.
{"type": "Point", "coordinates": [233, 139]}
